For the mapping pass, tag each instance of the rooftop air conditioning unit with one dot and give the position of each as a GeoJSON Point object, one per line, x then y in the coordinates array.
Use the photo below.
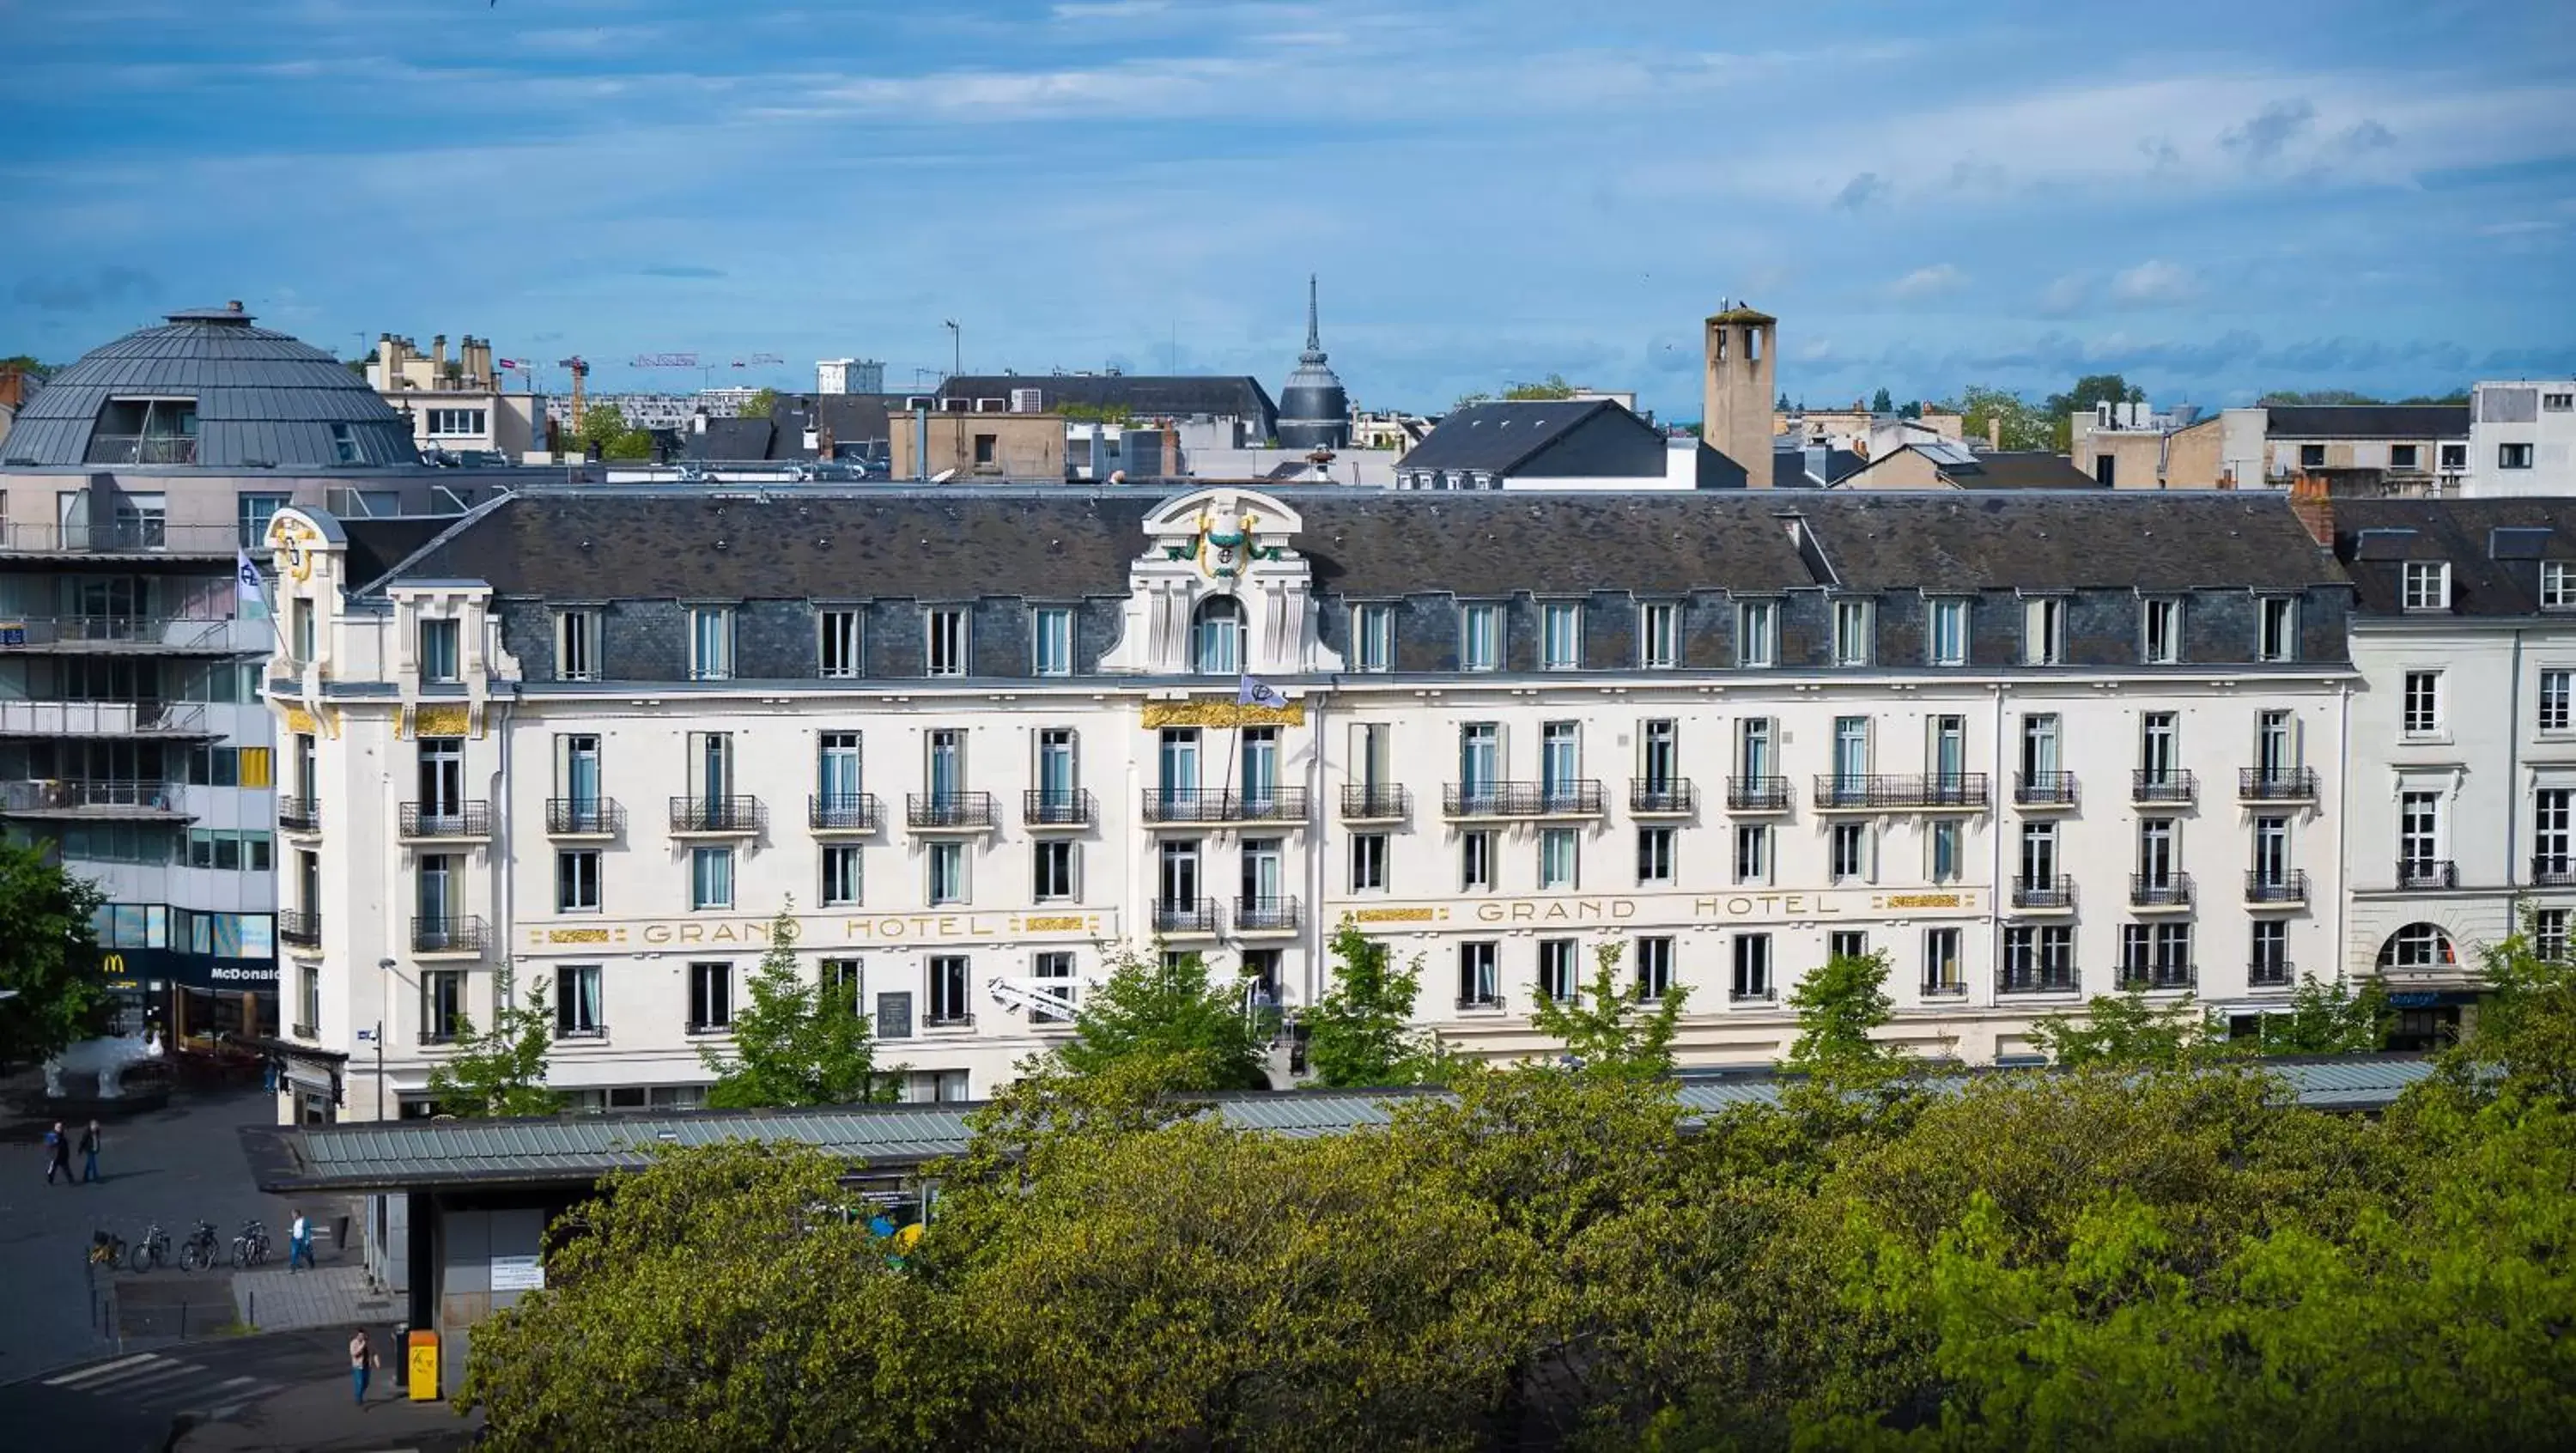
{"type": "Point", "coordinates": [913, 403]}
{"type": "Point", "coordinates": [1027, 401]}
{"type": "Point", "coordinates": [991, 406]}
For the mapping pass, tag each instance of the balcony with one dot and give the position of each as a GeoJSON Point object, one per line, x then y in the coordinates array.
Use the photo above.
{"type": "Point", "coordinates": [2044, 789]}
{"type": "Point", "coordinates": [454, 936]}
{"type": "Point", "coordinates": [1573, 798]}
{"type": "Point", "coordinates": [2160, 890]}
{"type": "Point", "coordinates": [1836, 792]}
{"type": "Point", "coordinates": [141, 449]}
{"type": "Point", "coordinates": [1661, 797]}
{"type": "Point", "coordinates": [2271, 974]}
{"type": "Point", "coordinates": [299, 814]}
{"type": "Point", "coordinates": [1274, 804]}
{"type": "Point", "coordinates": [2155, 978]}
{"type": "Point", "coordinates": [831, 813]}
{"type": "Point", "coordinates": [2149, 784]}
{"type": "Point", "coordinates": [587, 1031]}
{"type": "Point", "coordinates": [1945, 989]}
{"type": "Point", "coordinates": [162, 719]}
{"type": "Point", "coordinates": [1375, 802]}
{"type": "Point", "coordinates": [1757, 794]}
{"type": "Point", "coordinates": [2059, 979]}
{"type": "Point", "coordinates": [304, 930]}
{"type": "Point", "coordinates": [106, 798]}
{"type": "Point", "coordinates": [430, 1038]}
{"type": "Point", "coordinates": [715, 816]}
{"type": "Point", "coordinates": [2276, 784]}
{"type": "Point", "coordinates": [954, 1018]}
{"type": "Point", "coordinates": [949, 811]}
{"type": "Point", "coordinates": [132, 536]}
{"type": "Point", "coordinates": [598, 817]}
{"type": "Point", "coordinates": [1267, 915]}
{"type": "Point", "coordinates": [2287, 888]}
{"type": "Point", "coordinates": [1058, 808]}
{"type": "Point", "coordinates": [2427, 873]}
{"type": "Point", "coordinates": [2054, 894]}
{"type": "Point", "coordinates": [2551, 871]}
{"type": "Point", "coordinates": [115, 635]}
{"type": "Point", "coordinates": [445, 821]}
{"type": "Point", "coordinates": [1480, 1001]}
{"type": "Point", "coordinates": [1188, 917]}
{"type": "Point", "coordinates": [1759, 994]}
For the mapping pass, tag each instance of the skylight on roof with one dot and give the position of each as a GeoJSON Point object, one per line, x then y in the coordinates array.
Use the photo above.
{"type": "Point", "coordinates": [2517, 542]}
{"type": "Point", "coordinates": [2384, 544]}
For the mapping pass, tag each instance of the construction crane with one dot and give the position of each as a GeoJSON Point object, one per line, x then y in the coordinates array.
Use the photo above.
{"type": "Point", "coordinates": [580, 367]}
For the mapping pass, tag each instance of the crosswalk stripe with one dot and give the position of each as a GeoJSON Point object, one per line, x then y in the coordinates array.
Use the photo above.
{"type": "Point", "coordinates": [236, 1381]}
{"type": "Point", "coordinates": [75, 1378]}
{"type": "Point", "coordinates": [142, 1379]}
{"type": "Point", "coordinates": [248, 1396]}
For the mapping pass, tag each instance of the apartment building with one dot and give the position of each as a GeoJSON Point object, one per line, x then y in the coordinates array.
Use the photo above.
{"type": "Point", "coordinates": [457, 407]}
{"type": "Point", "coordinates": [2033, 747]}
{"type": "Point", "coordinates": [2361, 450]}
{"type": "Point", "coordinates": [2523, 440]}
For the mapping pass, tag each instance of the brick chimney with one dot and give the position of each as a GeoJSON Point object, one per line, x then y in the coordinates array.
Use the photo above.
{"type": "Point", "coordinates": [1995, 432]}
{"type": "Point", "coordinates": [2308, 501]}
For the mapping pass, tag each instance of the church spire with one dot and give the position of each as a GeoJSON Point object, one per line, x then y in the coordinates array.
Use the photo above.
{"type": "Point", "coordinates": [1314, 339]}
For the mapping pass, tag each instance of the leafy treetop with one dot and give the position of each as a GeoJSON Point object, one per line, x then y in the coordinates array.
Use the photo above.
{"type": "Point", "coordinates": [48, 955]}
{"type": "Point", "coordinates": [1361, 1035]}
{"type": "Point", "coordinates": [794, 1042]}
{"type": "Point", "coordinates": [1607, 1030]}
{"type": "Point", "coordinates": [1163, 1007]}
{"type": "Point", "coordinates": [501, 1071]}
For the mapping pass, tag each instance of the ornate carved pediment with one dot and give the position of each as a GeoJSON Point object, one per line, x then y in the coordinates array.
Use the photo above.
{"type": "Point", "coordinates": [1221, 542]}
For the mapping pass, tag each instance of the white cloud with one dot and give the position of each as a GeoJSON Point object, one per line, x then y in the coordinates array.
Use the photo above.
{"type": "Point", "coordinates": [2066, 295]}
{"type": "Point", "coordinates": [2154, 283]}
{"type": "Point", "coordinates": [1929, 282]}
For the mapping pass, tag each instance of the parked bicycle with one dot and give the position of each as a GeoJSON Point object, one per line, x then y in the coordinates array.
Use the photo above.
{"type": "Point", "coordinates": [250, 1248]}
{"type": "Point", "coordinates": [106, 1248]}
{"type": "Point", "coordinates": [199, 1251]}
{"type": "Point", "coordinates": [153, 1250]}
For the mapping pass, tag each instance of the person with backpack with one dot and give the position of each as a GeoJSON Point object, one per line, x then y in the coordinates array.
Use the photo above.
{"type": "Point", "coordinates": [58, 1155]}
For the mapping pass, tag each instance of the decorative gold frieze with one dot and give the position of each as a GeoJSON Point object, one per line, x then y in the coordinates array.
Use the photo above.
{"type": "Point", "coordinates": [1222, 714]}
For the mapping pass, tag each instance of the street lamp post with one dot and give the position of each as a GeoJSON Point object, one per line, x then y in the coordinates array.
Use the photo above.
{"type": "Point", "coordinates": [384, 973]}
{"type": "Point", "coordinates": [956, 349]}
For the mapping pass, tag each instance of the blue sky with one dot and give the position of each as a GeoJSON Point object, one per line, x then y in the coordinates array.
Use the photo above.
{"type": "Point", "coordinates": [2213, 198]}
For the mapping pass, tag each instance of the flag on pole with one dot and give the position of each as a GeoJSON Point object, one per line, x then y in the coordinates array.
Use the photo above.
{"type": "Point", "coordinates": [1252, 692]}
{"type": "Point", "coordinates": [511, 363]}
{"type": "Point", "coordinates": [248, 586]}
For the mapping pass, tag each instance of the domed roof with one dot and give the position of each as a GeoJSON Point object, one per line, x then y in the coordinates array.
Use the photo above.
{"type": "Point", "coordinates": [1314, 411]}
{"type": "Point", "coordinates": [208, 389]}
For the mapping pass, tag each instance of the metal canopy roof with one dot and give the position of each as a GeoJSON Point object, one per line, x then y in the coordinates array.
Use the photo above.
{"type": "Point", "coordinates": [577, 1150]}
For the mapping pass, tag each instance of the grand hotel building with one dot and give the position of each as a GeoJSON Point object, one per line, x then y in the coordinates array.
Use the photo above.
{"type": "Point", "coordinates": [2033, 747]}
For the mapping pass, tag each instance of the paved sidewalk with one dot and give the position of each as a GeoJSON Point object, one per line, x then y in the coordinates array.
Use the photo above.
{"type": "Point", "coordinates": [274, 1299]}
{"type": "Point", "coordinates": [319, 1417]}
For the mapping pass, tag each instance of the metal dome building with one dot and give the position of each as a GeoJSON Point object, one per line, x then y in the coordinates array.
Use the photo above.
{"type": "Point", "coordinates": [1314, 412]}
{"type": "Point", "coordinates": [208, 390]}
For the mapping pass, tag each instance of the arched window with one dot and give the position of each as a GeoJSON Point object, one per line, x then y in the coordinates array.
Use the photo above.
{"type": "Point", "coordinates": [1216, 637]}
{"type": "Point", "coordinates": [2418, 948]}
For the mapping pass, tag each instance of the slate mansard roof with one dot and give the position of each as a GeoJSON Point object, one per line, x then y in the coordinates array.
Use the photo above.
{"type": "Point", "coordinates": [593, 543]}
{"type": "Point", "coordinates": [2367, 421]}
{"type": "Point", "coordinates": [2494, 547]}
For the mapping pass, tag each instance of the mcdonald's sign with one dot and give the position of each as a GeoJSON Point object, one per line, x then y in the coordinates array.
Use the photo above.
{"type": "Point", "coordinates": [111, 967]}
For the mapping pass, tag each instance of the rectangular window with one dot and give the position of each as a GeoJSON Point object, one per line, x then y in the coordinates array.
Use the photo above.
{"type": "Point", "coordinates": [2549, 935]}
{"type": "Point", "coordinates": [947, 872]}
{"type": "Point", "coordinates": [440, 652]}
{"type": "Point", "coordinates": [308, 1000]}
{"type": "Point", "coordinates": [1654, 967]}
{"type": "Point", "coordinates": [710, 878]}
{"type": "Point", "coordinates": [299, 625]}
{"type": "Point", "coordinates": [2419, 836]}
{"type": "Point", "coordinates": [1053, 971]}
{"type": "Point", "coordinates": [710, 997]}
{"type": "Point", "coordinates": [2555, 688]}
{"type": "Point", "coordinates": [2553, 848]}
{"type": "Point", "coordinates": [1948, 643]}
{"type": "Point", "coordinates": [1752, 978]}
{"type": "Point", "coordinates": [2276, 628]}
{"type": "Point", "coordinates": [2401, 456]}
{"type": "Point", "coordinates": [251, 513]}
{"type": "Point", "coordinates": [1556, 971]}
{"type": "Point", "coordinates": [2557, 403]}
{"type": "Point", "coordinates": [577, 881]}
{"type": "Point", "coordinates": [2423, 704]}
{"type": "Point", "coordinates": [944, 646]}
{"type": "Point", "coordinates": [2043, 631]}
{"type": "Point", "coordinates": [1757, 633]}
{"type": "Point", "coordinates": [1053, 649]}
{"type": "Point", "coordinates": [1556, 860]}
{"type": "Point", "coordinates": [2267, 963]}
{"type": "Point", "coordinates": [837, 644]}
{"type": "Point", "coordinates": [1561, 638]}
{"type": "Point", "coordinates": [1659, 635]}
{"type": "Point", "coordinates": [951, 983]}
{"type": "Point", "coordinates": [577, 1012]}
{"type": "Point", "coordinates": [840, 875]}
{"type": "Point", "coordinates": [1480, 643]}
{"type": "Point", "coordinates": [710, 643]}
{"type": "Point", "coordinates": [1752, 853]}
{"type": "Point", "coordinates": [1847, 943]}
{"type": "Point", "coordinates": [2557, 585]}
{"type": "Point", "coordinates": [2513, 456]}
{"type": "Point", "coordinates": [2455, 456]}
{"type": "Point", "coordinates": [2159, 746]}
{"type": "Point", "coordinates": [1476, 862]}
{"type": "Point", "coordinates": [1948, 854]}
{"type": "Point", "coordinates": [2038, 959]}
{"type": "Point", "coordinates": [2312, 456]}
{"type": "Point", "coordinates": [1373, 637]}
{"type": "Point", "coordinates": [442, 1004]}
{"type": "Point", "coordinates": [2158, 854]}
{"type": "Point", "coordinates": [2428, 585]}
{"type": "Point", "coordinates": [1054, 870]}
{"type": "Point", "coordinates": [2161, 629]}
{"type": "Point", "coordinates": [2271, 852]}
{"type": "Point", "coordinates": [1479, 980]}
{"type": "Point", "coordinates": [1853, 632]}
{"type": "Point", "coordinates": [1368, 862]}
{"type": "Point", "coordinates": [577, 645]}
{"type": "Point", "coordinates": [1941, 972]}
{"type": "Point", "coordinates": [1850, 846]}
{"type": "Point", "coordinates": [1654, 857]}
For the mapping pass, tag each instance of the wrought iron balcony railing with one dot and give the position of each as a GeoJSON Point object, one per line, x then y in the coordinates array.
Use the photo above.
{"type": "Point", "coordinates": [466, 819]}
{"type": "Point", "coordinates": [584, 817]}
{"type": "Point", "coordinates": [713, 816]}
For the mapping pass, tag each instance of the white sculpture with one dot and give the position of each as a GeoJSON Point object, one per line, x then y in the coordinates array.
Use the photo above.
{"type": "Point", "coordinates": [108, 1058]}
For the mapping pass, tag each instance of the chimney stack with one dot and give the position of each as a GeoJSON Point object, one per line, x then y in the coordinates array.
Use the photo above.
{"type": "Point", "coordinates": [1995, 431]}
{"type": "Point", "coordinates": [2314, 508]}
{"type": "Point", "coordinates": [438, 352]}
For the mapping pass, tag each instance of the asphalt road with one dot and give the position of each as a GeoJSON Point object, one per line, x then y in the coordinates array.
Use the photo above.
{"type": "Point", "coordinates": [125, 1403]}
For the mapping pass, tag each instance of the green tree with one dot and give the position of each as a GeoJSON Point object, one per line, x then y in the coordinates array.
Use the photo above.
{"type": "Point", "coordinates": [1837, 1006]}
{"type": "Point", "coordinates": [629, 444]}
{"type": "Point", "coordinates": [2024, 427]}
{"type": "Point", "coordinates": [1606, 1028]}
{"type": "Point", "coordinates": [1881, 403]}
{"type": "Point", "coordinates": [48, 955]}
{"type": "Point", "coordinates": [1164, 1008]}
{"type": "Point", "coordinates": [2323, 396]}
{"type": "Point", "coordinates": [1470, 400]}
{"type": "Point", "coordinates": [2091, 389]}
{"type": "Point", "coordinates": [2329, 1019]}
{"type": "Point", "coordinates": [794, 1042]}
{"type": "Point", "coordinates": [2522, 1043]}
{"type": "Point", "coordinates": [760, 404]}
{"type": "Point", "coordinates": [1361, 1034]}
{"type": "Point", "coordinates": [600, 426]}
{"type": "Point", "coordinates": [1553, 386]}
{"type": "Point", "coordinates": [500, 1071]}
{"type": "Point", "coordinates": [2125, 1029]}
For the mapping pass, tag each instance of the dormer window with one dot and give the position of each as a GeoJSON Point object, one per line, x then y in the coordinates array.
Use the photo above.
{"type": "Point", "coordinates": [2428, 585]}
{"type": "Point", "coordinates": [2162, 631]}
{"type": "Point", "coordinates": [1853, 632]}
{"type": "Point", "coordinates": [2557, 585]}
{"type": "Point", "coordinates": [144, 431]}
{"type": "Point", "coordinates": [440, 661]}
{"type": "Point", "coordinates": [1216, 637]}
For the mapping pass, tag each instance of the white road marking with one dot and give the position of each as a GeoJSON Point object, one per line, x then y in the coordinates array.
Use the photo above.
{"type": "Point", "coordinates": [74, 1379]}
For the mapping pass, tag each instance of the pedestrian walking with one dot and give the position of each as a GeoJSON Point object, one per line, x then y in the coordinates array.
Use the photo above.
{"type": "Point", "coordinates": [89, 1153]}
{"type": "Point", "coordinates": [299, 1243]}
{"type": "Point", "coordinates": [362, 1360]}
{"type": "Point", "coordinates": [58, 1155]}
